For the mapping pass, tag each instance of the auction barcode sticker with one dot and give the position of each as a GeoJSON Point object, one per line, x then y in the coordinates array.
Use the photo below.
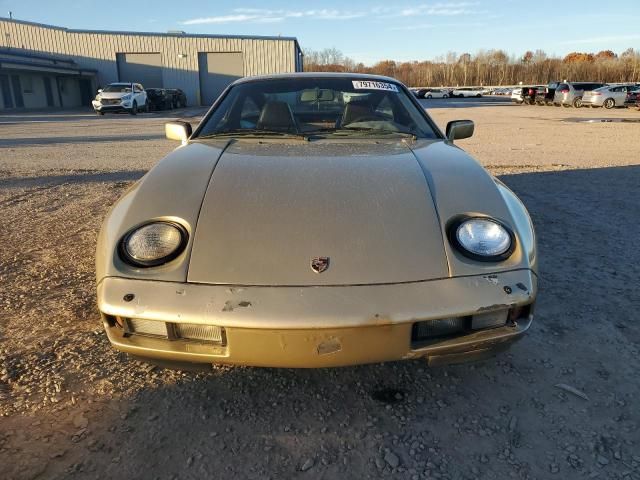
{"type": "Point", "coordinates": [371, 85]}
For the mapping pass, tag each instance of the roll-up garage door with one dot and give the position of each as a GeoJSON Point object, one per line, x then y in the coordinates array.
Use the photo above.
{"type": "Point", "coordinates": [217, 70]}
{"type": "Point", "coordinates": [144, 68]}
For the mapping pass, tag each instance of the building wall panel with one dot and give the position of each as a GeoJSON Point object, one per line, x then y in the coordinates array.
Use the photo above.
{"type": "Point", "coordinates": [97, 50]}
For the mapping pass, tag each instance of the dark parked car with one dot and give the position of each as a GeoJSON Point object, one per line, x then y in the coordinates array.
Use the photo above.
{"type": "Point", "coordinates": [545, 96]}
{"type": "Point", "coordinates": [633, 99]}
{"type": "Point", "coordinates": [526, 94]}
{"type": "Point", "coordinates": [178, 97]}
{"type": "Point", "coordinates": [159, 99]}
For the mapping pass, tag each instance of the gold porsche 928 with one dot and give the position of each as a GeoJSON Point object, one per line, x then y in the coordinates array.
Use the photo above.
{"type": "Point", "coordinates": [316, 220]}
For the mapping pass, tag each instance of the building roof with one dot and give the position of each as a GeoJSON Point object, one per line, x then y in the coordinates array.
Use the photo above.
{"type": "Point", "coordinates": [179, 34]}
{"type": "Point", "coordinates": [29, 54]}
{"type": "Point", "coordinates": [18, 58]}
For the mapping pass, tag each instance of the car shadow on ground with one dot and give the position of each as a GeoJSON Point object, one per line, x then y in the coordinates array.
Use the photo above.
{"type": "Point", "coordinates": [500, 418]}
{"type": "Point", "coordinates": [84, 114]}
{"type": "Point", "coordinates": [45, 181]}
{"type": "Point", "coordinates": [47, 141]}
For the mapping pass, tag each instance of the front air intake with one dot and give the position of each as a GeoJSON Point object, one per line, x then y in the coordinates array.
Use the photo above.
{"type": "Point", "coordinates": [190, 332]}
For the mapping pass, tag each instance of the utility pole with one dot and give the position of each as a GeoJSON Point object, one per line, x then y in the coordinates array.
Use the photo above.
{"type": "Point", "coordinates": [10, 15]}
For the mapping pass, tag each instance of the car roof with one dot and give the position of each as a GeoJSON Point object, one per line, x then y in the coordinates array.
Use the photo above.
{"type": "Point", "coordinates": [284, 76]}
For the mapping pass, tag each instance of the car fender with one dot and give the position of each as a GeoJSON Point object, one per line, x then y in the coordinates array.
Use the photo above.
{"type": "Point", "coordinates": [172, 191]}
{"type": "Point", "coordinates": [524, 225]}
{"type": "Point", "coordinates": [462, 187]}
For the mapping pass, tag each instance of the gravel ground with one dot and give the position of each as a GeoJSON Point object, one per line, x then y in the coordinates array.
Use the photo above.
{"type": "Point", "coordinates": [560, 404]}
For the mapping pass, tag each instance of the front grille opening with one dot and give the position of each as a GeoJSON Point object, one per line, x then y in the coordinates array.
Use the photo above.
{"type": "Point", "coordinates": [149, 328]}
{"type": "Point", "coordinates": [520, 313]}
{"type": "Point", "coordinates": [439, 329]}
{"type": "Point", "coordinates": [187, 332]}
{"type": "Point", "coordinates": [200, 333]}
{"type": "Point", "coordinates": [432, 331]}
{"type": "Point", "coordinates": [492, 319]}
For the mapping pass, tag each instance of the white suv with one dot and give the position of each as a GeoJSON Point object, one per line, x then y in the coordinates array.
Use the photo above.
{"type": "Point", "coordinates": [467, 92]}
{"type": "Point", "coordinates": [118, 97]}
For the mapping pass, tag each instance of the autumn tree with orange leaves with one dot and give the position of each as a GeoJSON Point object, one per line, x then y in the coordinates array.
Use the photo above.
{"type": "Point", "coordinates": [490, 67]}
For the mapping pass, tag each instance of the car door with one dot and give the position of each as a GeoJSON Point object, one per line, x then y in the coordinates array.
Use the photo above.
{"type": "Point", "coordinates": [618, 94]}
{"type": "Point", "coordinates": [622, 96]}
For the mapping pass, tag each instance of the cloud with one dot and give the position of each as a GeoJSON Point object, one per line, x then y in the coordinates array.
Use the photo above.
{"type": "Point", "coordinates": [438, 9]}
{"type": "Point", "coordinates": [427, 26]}
{"type": "Point", "coordinates": [225, 19]}
{"type": "Point", "coordinates": [265, 15]}
{"type": "Point", "coordinates": [261, 15]}
{"type": "Point", "coordinates": [604, 39]}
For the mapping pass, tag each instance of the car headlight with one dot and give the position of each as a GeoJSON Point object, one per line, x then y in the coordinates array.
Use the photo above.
{"type": "Point", "coordinates": [125, 97]}
{"type": "Point", "coordinates": [153, 244]}
{"type": "Point", "coordinates": [482, 238]}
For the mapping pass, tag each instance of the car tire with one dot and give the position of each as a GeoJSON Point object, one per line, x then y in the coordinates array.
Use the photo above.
{"type": "Point", "coordinates": [98, 112]}
{"type": "Point", "coordinates": [134, 109]}
{"type": "Point", "coordinates": [445, 96]}
{"type": "Point", "coordinates": [609, 103]}
{"type": "Point", "coordinates": [429, 96]}
{"type": "Point", "coordinates": [479, 95]}
{"type": "Point", "coordinates": [577, 102]}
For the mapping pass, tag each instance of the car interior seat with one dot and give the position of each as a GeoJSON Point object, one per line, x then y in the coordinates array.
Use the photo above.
{"type": "Point", "coordinates": [357, 110]}
{"type": "Point", "coordinates": [276, 115]}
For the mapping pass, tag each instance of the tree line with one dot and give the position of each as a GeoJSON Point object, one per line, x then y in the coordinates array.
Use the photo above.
{"type": "Point", "coordinates": [489, 67]}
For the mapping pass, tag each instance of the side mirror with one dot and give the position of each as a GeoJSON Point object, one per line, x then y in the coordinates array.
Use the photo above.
{"type": "Point", "coordinates": [459, 129]}
{"type": "Point", "coordinates": [178, 131]}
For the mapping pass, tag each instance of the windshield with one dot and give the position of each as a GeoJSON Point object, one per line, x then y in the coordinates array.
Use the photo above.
{"type": "Point", "coordinates": [118, 88]}
{"type": "Point", "coordinates": [317, 106]}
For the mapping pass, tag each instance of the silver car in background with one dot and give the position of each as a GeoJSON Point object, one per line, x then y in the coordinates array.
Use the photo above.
{"type": "Point", "coordinates": [436, 93]}
{"type": "Point", "coordinates": [570, 93]}
{"type": "Point", "coordinates": [608, 97]}
{"type": "Point", "coordinates": [467, 92]}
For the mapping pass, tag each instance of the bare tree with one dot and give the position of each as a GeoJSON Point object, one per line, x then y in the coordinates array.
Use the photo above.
{"type": "Point", "coordinates": [492, 67]}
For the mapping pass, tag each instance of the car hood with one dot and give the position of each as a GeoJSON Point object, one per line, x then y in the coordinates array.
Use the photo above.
{"type": "Point", "coordinates": [258, 212]}
{"type": "Point", "coordinates": [271, 208]}
{"type": "Point", "coordinates": [113, 95]}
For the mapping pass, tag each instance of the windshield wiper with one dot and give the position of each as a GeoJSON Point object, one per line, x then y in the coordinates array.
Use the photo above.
{"type": "Point", "coordinates": [253, 132]}
{"type": "Point", "coordinates": [344, 131]}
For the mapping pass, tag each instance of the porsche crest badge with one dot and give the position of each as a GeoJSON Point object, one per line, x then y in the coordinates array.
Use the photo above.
{"type": "Point", "coordinates": [319, 264]}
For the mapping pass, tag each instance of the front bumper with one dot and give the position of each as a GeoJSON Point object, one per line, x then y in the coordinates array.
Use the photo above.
{"type": "Point", "coordinates": [317, 326]}
{"type": "Point", "coordinates": [112, 107]}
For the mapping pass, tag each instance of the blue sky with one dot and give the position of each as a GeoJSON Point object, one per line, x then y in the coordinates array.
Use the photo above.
{"type": "Point", "coordinates": [367, 31]}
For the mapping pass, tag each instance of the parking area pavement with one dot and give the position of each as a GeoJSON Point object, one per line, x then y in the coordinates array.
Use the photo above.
{"type": "Point", "coordinates": [562, 403]}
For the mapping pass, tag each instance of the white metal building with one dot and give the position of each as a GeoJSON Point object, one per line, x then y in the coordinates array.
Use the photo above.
{"type": "Point", "coordinates": [46, 66]}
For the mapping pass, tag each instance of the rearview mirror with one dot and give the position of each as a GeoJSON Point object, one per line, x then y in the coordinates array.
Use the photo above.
{"type": "Point", "coordinates": [178, 131]}
{"type": "Point", "coordinates": [459, 129]}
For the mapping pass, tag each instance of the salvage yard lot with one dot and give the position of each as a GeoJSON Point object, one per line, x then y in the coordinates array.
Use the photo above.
{"type": "Point", "coordinates": [561, 404]}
